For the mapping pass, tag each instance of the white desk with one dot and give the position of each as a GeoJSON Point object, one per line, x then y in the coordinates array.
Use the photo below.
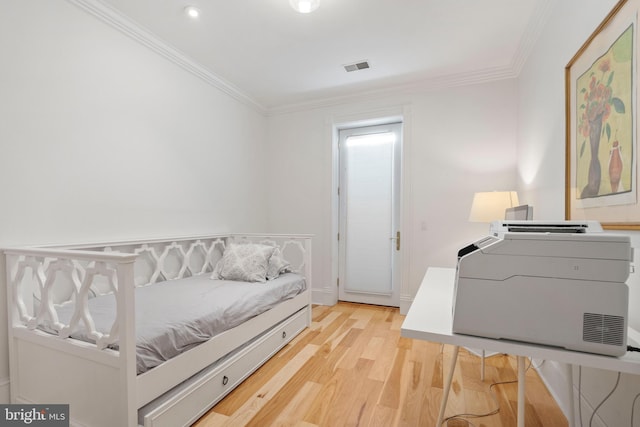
{"type": "Point", "coordinates": [430, 318]}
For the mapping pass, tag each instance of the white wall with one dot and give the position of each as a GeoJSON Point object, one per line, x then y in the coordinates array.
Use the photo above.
{"type": "Point", "coordinates": [541, 145]}
{"type": "Point", "coordinates": [457, 141]}
{"type": "Point", "coordinates": [103, 139]}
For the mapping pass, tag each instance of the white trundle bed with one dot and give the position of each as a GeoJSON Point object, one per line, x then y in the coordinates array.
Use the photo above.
{"type": "Point", "coordinates": [122, 332]}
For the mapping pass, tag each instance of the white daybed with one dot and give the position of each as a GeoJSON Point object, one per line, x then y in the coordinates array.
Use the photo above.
{"type": "Point", "coordinates": [96, 374]}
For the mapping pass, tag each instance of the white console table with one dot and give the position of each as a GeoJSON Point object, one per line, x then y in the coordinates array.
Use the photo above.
{"type": "Point", "coordinates": [430, 318]}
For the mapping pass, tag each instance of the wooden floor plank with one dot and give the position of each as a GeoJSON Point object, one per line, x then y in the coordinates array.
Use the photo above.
{"type": "Point", "coordinates": [251, 385]}
{"type": "Point", "coordinates": [382, 416]}
{"type": "Point", "coordinates": [352, 368]}
{"type": "Point", "coordinates": [293, 410]}
{"type": "Point", "coordinates": [384, 360]}
{"type": "Point", "coordinates": [245, 413]}
{"type": "Point", "coordinates": [392, 389]}
{"type": "Point", "coordinates": [365, 402]}
{"type": "Point", "coordinates": [322, 404]}
{"type": "Point", "coordinates": [212, 419]}
{"type": "Point", "coordinates": [347, 393]}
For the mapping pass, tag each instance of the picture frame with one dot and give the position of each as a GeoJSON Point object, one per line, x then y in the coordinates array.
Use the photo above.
{"type": "Point", "coordinates": [601, 91]}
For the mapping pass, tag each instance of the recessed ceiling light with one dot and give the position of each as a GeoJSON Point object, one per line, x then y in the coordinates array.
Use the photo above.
{"type": "Point", "coordinates": [304, 6]}
{"type": "Point", "coordinates": [192, 11]}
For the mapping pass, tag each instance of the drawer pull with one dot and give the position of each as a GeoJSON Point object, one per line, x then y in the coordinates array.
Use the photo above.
{"type": "Point", "coordinates": [225, 380]}
{"type": "Point", "coordinates": [284, 334]}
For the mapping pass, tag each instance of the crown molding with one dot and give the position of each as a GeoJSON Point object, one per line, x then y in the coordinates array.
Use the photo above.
{"type": "Point", "coordinates": [529, 38]}
{"type": "Point", "coordinates": [135, 31]}
{"type": "Point", "coordinates": [426, 85]}
{"type": "Point", "coordinates": [536, 24]}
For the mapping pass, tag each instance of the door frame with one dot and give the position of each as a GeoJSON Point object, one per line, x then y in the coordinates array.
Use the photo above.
{"type": "Point", "coordinates": [329, 293]}
{"type": "Point", "coordinates": [391, 299]}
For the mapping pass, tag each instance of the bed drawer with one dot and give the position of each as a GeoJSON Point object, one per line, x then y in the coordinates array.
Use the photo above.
{"type": "Point", "coordinates": [197, 395]}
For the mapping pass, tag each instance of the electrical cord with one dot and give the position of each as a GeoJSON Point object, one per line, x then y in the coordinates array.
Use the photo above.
{"type": "Point", "coordinates": [605, 399]}
{"type": "Point", "coordinates": [635, 399]}
{"type": "Point", "coordinates": [464, 417]}
{"type": "Point", "coordinates": [536, 367]}
{"type": "Point", "coordinates": [493, 396]}
{"type": "Point", "coordinates": [470, 415]}
{"type": "Point", "coordinates": [600, 404]}
{"type": "Point", "coordinates": [633, 406]}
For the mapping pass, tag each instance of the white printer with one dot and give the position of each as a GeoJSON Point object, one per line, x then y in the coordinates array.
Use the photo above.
{"type": "Point", "coordinates": [560, 284]}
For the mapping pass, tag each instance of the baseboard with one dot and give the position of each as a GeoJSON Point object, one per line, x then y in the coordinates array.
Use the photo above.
{"type": "Point", "coordinates": [5, 393]}
{"type": "Point", "coordinates": [405, 304]}
{"type": "Point", "coordinates": [323, 296]}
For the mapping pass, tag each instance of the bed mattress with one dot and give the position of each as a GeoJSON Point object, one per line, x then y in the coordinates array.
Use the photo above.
{"type": "Point", "coordinates": [176, 315]}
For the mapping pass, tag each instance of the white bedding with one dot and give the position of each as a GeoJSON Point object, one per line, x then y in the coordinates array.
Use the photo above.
{"type": "Point", "coordinates": [176, 315]}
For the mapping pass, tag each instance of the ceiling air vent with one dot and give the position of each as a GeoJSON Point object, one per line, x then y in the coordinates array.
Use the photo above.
{"type": "Point", "coordinates": [357, 66]}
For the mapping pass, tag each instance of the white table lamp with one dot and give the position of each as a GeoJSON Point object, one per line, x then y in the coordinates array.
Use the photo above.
{"type": "Point", "coordinates": [490, 206]}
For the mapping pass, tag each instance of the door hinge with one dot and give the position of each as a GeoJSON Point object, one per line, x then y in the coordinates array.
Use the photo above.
{"type": "Point", "coordinates": [338, 237]}
{"type": "Point", "coordinates": [338, 191]}
{"type": "Point", "coordinates": [397, 240]}
{"type": "Point", "coordinates": [338, 282]}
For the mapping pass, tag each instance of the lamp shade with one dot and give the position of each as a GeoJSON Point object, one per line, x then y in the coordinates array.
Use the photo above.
{"type": "Point", "coordinates": [490, 206]}
{"type": "Point", "coordinates": [304, 6]}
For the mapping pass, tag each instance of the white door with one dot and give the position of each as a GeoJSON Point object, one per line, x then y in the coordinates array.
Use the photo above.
{"type": "Point", "coordinates": [369, 197]}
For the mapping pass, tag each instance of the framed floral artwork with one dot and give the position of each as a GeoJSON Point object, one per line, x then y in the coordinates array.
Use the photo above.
{"type": "Point", "coordinates": [601, 120]}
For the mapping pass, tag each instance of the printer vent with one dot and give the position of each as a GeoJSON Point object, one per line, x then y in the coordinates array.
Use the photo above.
{"type": "Point", "coordinates": [603, 329]}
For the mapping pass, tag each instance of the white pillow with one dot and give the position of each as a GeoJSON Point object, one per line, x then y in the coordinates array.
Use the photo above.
{"type": "Point", "coordinates": [277, 265]}
{"type": "Point", "coordinates": [246, 262]}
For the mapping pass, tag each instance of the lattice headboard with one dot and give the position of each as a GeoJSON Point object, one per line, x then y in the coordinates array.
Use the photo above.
{"type": "Point", "coordinates": [39, 278]}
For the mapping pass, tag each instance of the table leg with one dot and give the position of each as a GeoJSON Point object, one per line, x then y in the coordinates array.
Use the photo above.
{"type": "Point", "coordinates": [572, 413]}
{"type": "Point", "coordinates": [521, 388]}
{"type": "Point", "coordinates": [447, 385]}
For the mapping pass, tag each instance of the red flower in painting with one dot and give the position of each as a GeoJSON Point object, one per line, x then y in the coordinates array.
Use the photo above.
{"type": "Point", "coordinates": [598, 99]}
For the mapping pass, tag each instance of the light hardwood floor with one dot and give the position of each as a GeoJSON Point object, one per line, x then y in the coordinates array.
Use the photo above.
{"type": "Point", "coordinates": [352, 368]}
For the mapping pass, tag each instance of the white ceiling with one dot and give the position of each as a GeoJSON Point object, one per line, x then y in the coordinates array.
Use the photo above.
{"type": "Point", "coordinates": [278, 57]}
